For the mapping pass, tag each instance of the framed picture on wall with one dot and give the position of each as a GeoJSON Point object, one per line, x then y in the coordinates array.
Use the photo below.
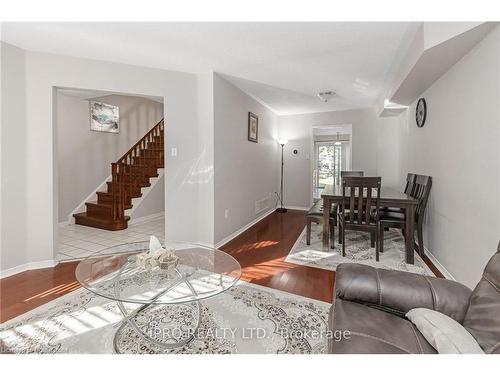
{"type": "Point", "coordinates": [253, 127]}
{"type": "Point", "coordinates": [104, 117]}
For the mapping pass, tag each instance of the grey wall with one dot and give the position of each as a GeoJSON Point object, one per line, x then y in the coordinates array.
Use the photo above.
{"type": "Point", "coordinates": [389, 165]}
{"type": "Point", "coordinates": [85, 156]}
{"type": "Point", "coordinates": [14, 157]}
{"type": "Point", "coordinates": [244, 171]}
{"type": "Point", "coordinates": [298, 130]}
{"type": "Point", "coordinates": [37, 180]}
{"type": "Point", "coordinates": [153, 203]}
{"type": "Point", "coordinates": [204, 176]}
{"type": "Point", "coordinates": [459, 146]}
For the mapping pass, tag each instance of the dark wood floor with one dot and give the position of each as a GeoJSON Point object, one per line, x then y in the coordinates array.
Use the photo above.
{"type": "Point", "coordinates": [261, 251]}
{"type": "Point", "coordinates": [27, 290]}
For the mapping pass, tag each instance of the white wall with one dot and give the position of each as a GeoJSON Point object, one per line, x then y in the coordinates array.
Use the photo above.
{"type": "Point", "coordinates": [204, 176]}
{"type": "Point", "coordinates": [438, 32]}
{"type": "Point", "coordinates": [244, 171]}
{"type": "Point", "coordinates": [153, 202]}
{"type": "Point", "coordinates": [389, 153]}
{"type": "Point", "coordinates": [14, 209]}
{"type": "Point", "coordinates": [85, 156]}
{"type": "Point", "coordinates": [298, 130]}
{"type": "Point", "coordinates": [36, 144]}
{"type": "Point", "coordinates": [459, 146]}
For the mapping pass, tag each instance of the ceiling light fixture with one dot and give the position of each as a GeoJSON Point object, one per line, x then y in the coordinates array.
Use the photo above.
{"type": "Point", "coordinates": [325, 96]}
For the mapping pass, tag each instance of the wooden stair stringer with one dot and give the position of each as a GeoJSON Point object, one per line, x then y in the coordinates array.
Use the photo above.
{"type": "Point", "coordinates": [136, 202]}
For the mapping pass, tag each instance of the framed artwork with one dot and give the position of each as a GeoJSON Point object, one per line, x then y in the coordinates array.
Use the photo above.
{"type": "Point", "coordinates": [104, 117]}
{"type": "Point", "coordinates": [253, 127]}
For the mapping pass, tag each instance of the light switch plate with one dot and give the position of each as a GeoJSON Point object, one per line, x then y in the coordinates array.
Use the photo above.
{"type": "Point", "coordinates": [174, 151]}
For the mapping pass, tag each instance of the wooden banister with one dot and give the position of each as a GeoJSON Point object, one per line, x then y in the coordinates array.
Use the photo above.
{"type": "Point", "coordinates": [156, 130]}
{"type": "Point", "coordinates": [123, 174]}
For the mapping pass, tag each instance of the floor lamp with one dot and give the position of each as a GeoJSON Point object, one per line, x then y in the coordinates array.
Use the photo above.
{"type": "Point", "coordinates": [281, 209]}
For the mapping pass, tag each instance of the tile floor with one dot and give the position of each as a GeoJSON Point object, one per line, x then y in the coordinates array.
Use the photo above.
{"type": "Point", "coordinates": [78, 241]}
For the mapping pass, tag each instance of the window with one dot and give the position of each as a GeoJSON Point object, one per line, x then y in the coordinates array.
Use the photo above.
{"type": "Point", "coordinates": [328, 159]}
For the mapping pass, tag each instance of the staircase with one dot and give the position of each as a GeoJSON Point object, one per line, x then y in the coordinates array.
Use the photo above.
{"type": "Point", "coordinates": [128, 176]}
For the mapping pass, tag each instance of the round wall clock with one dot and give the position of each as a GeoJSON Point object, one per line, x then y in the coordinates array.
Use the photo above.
{"type": "Point", "coordinates": [421, 112]}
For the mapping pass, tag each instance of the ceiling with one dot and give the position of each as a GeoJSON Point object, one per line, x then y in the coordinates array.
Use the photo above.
{"type": "Point", "coordinates": [92, 94]}
{"type": "Point", "coordinates": [281, 64]}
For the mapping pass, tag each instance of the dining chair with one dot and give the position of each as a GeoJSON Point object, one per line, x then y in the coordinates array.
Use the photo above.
{"type": "Point", "coordinates": [360, 208]}
{"type": "Point", "coordinates": [351, 174]}
{"type": "Point", "coordinates": [315, 215]}
{"type": "Point", "coordinates": [410, 184]}
{"type": "Point", "coordinates": [391, 219]}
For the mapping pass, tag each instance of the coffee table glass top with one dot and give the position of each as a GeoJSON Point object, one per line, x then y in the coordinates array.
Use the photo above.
{"type": "Point", "coordinates": [202, 272]}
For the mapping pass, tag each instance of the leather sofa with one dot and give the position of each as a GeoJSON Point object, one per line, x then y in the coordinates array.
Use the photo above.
{"type": "Point", "coordinates": [371, 304]}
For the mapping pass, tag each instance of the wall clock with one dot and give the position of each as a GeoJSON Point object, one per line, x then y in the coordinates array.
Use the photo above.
{"type": "Point", "coordinates": [421, 112]}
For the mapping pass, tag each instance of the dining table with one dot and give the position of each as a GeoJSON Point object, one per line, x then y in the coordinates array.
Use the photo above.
{"type": "Point", "coordinates": [389, 197]}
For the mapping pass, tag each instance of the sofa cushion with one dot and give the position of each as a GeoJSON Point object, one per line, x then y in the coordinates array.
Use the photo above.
{"type": "Point", "coordinates": [374, 331]}
{"type": "Point", "coordinates": [399, 292]}
{"type": "Point", "coordinates": [482, 319]}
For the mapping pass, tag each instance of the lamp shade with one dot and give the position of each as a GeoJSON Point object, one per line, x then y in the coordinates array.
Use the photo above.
{"type": "Point", "coordinates": [282, 141]}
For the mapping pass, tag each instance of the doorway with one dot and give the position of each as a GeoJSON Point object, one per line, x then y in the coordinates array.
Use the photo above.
{"type": "Point", "coordinates": [331, 155]}
{"type": "Point", "coordinates": [328, 159]}
{"type": "Point", "coordinates": [84, 157]}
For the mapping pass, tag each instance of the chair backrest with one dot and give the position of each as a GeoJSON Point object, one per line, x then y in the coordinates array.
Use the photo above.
{"type": "Point", "coordinates": [358, 197]}
{"type": "Point", "coordinates": [482, 319]}
{"type": "Point", "coordinates": [421, 189]}
{"type": "Point", "coordinates": [352, 174]}
{"type": "Point", "coordinates": [410, 183]}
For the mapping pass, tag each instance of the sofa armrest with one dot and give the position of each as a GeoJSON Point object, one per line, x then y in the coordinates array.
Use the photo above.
{"type": "Point", "coordinates": [399, 292]}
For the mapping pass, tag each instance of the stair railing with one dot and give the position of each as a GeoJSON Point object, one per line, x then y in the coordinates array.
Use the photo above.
{"type": "Point", "coordinates": [124, 176]}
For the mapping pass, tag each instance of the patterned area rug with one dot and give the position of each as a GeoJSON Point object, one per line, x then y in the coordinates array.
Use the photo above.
{"type": "Point", "coordinates": [358, 250]}
{"type": "Point", "coordinates": [245, 319]}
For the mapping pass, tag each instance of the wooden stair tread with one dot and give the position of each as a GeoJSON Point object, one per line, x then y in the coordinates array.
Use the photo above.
{"type": "Point", "coordinates": [133, 172]}
{"type": "Point", "coordinates": [108, 193]}
{"type": "Point", "coordinates": [96, 218]}
{"type": "Point", "coordinates": [83, 218]}
{"type": "Point", "coordinates": [105, 205]}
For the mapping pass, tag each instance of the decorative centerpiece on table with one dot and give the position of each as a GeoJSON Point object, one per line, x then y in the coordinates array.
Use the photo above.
{"type": "Point", "coordinates": [157, 257]}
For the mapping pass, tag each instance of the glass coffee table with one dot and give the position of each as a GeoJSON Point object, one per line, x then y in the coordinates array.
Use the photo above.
{"type": "Point", "coordinates": [202, 272]}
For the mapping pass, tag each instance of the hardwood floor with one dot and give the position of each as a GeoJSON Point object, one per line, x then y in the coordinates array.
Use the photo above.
{"type": "Point", "coordinates": [26, 290]}
{"type": "Point", "coordinates": [261, 251]}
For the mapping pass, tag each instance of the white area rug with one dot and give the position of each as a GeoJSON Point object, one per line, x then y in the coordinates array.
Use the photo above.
{"type": "Point", "coordinates": [358, 250]}
{"type": "Point", "coordinates": [245, 319]}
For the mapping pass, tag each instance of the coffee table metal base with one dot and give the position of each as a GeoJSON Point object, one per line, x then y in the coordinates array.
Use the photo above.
{"type": "Point", "coordinates": [129, 318]}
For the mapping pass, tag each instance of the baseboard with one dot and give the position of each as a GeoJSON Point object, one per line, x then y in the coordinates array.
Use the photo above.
{"type": "Point", "coordinates": [438, 265]}
{"type": "Point", "coordinates": [298, 208]}
{"type": "Point", "coordinates": [27, 267]}
{"type": "Point", "coordinates": [147, 217]}
{"type": "Point", "coordinates": [233, 235]}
